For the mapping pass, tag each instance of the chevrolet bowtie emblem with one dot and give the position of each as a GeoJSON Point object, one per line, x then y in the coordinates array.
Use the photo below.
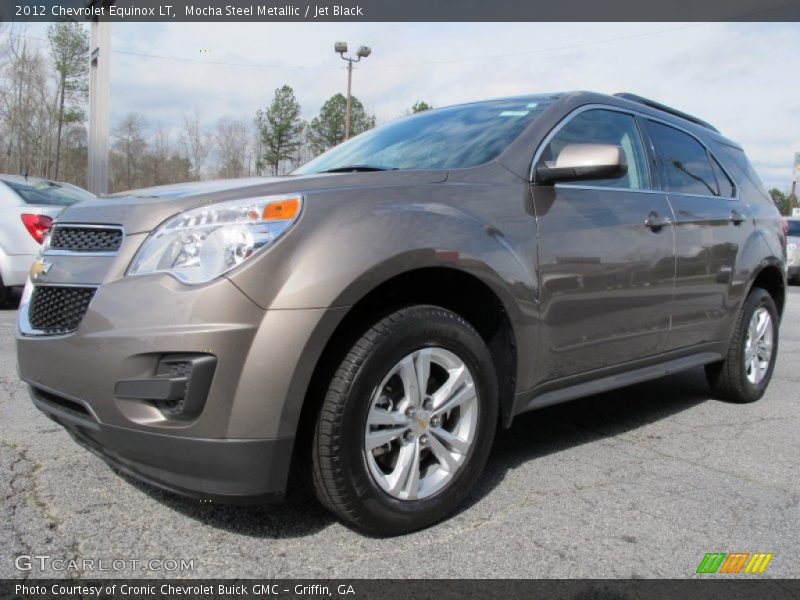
{"type": "Point", "coordinates": [40, 267]}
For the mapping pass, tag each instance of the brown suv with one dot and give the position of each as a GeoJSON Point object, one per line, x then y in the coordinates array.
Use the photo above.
{"type": "Point", "coordinates": [382, 311]}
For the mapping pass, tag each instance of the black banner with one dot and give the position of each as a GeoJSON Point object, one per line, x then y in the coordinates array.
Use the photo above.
{"type": "Point", "coordinates": [400, 10]}
{"type": "Point", "coordinates": [734, 588]}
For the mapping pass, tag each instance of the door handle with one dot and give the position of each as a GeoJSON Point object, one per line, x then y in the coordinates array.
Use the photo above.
{"type": "Point", "coordinates": [736, 217]}
{"type": "Point", "coordinates": [655, 222]}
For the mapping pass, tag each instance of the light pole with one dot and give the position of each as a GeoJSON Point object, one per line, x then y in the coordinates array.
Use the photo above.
{"type": "Point", "coordinates": [100, 39]}
{"type": "Point", "coordinates": [362, 52]}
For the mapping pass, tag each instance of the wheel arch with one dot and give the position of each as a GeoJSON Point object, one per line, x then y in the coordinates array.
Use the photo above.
{"type": "Point", "coordinates": [489, 310]}
{"type": "Point", "coordinates": [770, 277]}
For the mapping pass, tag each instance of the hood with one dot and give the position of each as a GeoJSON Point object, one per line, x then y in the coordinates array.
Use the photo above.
{"type": "Point", "coordinates": [142, 210]}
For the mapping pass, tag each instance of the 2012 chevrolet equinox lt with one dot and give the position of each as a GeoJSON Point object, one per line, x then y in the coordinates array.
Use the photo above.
{"type": "Point", "coordinates": [381, 312]}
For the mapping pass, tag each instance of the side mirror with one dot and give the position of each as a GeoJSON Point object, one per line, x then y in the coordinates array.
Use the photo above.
{"type": "Point", "coordinates": [583, 162]}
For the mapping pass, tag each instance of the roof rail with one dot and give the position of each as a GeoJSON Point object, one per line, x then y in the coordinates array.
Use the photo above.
{"type": "Point", "coordinates": [666, 109]}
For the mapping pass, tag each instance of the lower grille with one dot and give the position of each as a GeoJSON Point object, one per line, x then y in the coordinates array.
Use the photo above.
{"type": "Point", "coordinates": [58, 309]}
{"type": "Point", "coordinates": [62, 403]}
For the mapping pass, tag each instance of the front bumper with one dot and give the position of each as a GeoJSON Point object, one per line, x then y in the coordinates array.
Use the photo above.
{"type": "Point", "coordinates": [238, 447]}
{"type": "Point", "coordinates": [223, 471]}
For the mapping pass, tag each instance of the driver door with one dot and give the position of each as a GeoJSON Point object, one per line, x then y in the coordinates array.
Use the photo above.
{"type": "Point", "coordinates": [606, 254]}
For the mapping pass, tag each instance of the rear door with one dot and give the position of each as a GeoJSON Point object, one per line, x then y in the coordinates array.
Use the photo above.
{"type": "Point", "coordinates": [606, 254]}
{"type": "Point", "coordinates": [710, 226]}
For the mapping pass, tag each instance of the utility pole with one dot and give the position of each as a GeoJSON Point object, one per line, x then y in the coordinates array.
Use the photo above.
{"type": "Point", "coordinates": [362, 52]}
{"type": "Point", "coordinates": [347, 109]}
{"type": "Point", "coordinates": [100, 38]}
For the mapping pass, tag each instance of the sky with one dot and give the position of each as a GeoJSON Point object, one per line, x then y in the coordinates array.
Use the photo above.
{"type": "Point", "coordinates": [742, 77]}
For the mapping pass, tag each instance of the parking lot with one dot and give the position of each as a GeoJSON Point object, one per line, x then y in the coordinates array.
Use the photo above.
{"type": "Point", "coordinates": [640, 482]}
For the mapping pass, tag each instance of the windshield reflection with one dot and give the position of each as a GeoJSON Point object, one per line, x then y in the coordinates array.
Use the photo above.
{"type": "Point", "coordinates": [448, 138]}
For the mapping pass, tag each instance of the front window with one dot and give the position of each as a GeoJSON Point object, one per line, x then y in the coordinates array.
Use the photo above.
{"type": "Point", "coordinates": [42, 192]}
{"type": "Point", "coordinates": [599, 126]}
{"type": "Point", "coordinates": [446, 138]}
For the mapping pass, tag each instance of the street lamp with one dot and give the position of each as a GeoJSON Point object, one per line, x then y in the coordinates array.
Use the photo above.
{"type": "Point", "coordinates": [362, 52]}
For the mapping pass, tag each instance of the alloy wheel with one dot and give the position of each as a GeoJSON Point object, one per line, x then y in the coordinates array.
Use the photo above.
{"type": "Point", "coordinates": [758, 346]}
{"type": "Point", "coordinates": [421, 424]}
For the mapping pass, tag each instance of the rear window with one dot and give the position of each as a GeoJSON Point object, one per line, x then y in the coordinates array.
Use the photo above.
{"type": "Point", "coordinates": [39, 191]}
{"type": "Point", "coordinates": [686, 162]}
{"type": "Point", "coordinates": [726, 187]}
{"type": "Point", "coordinates": [794, 228]}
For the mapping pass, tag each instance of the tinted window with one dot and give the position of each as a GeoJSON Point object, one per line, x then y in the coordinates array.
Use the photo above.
{"type": "Point", "coordinates": [447, 138]}
{"type": "Point", "coordinates": [740, 160]}
{"type": "Point", "coordinates": [726, 187]}
{"type": "Point", "coordinates": [605, 127]}
{"type": "Point", "coordinates": [686, 162]}
{"type": "Point", "coordinates": [40, 191]}
{"type": "Point", "coordinates": [794, 228]}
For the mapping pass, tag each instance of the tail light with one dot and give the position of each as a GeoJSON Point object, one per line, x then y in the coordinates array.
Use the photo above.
{"type": "Point", "coordinates": [785, 224]}
{"type": "Point", "coordinates": [37, 225]}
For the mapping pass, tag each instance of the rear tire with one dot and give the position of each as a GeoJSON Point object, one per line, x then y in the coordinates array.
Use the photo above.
{"type": "Point", "coordinates": [390, 460]}
{"type": "Point", "coordinates": [747, 369]}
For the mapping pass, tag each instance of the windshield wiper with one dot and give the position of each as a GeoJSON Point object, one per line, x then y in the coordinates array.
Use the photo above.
{"type": "Point", "coordinates": [359, 168]}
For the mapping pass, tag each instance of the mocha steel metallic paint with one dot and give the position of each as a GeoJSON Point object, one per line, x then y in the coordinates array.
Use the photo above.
{"type": "Point", "coordinates": [588, 289]}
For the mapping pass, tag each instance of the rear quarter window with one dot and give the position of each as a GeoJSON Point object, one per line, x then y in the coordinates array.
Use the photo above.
{"type": "Point", "coordinates": [739, 160]}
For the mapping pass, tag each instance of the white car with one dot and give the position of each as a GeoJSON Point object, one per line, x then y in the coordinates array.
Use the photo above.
{"type": "Point", "coordinates": [28, 206]}
{"type": "Point", "coordinates": [793, 248]}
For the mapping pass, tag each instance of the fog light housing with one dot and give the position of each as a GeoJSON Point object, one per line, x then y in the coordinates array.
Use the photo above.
{"type": "Point", "coordinates": [179, 388]}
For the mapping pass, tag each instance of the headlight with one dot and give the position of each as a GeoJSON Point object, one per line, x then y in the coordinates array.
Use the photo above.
{"type": "Point", "coordinates": [201, 244]}
{"type": "Point", "coordinates": [791, 247]}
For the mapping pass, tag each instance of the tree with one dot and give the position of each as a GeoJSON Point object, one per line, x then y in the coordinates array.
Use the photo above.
{"type": "Point", "coordinates": [231, 138]}
{"type": "Point", "coordinates": [69, 48]}
{"type": "Point", "coordinates": [195, 141]}
{"type": "Point", "coordinates": [326, 130]}
{"type": "Point", "coordinates": [420, 106]}
{"type": "Point", "coordinates": [281, 129]}
{"type": "Point", "coordinates": [26, 108]}
{"type": "Point", "coordinates": [130, 148]}
{"type": "Point", "coordinates": [785, 203]}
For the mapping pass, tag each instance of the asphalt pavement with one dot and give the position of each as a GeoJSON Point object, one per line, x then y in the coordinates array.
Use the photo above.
{"type": "Point", "coordinates": [640, 482]}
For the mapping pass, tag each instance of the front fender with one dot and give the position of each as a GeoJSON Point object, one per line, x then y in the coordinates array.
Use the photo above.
{"type": "Point", "coordinates": [336, 263]}
{"type": "Point", "coordinates": [338, 254]}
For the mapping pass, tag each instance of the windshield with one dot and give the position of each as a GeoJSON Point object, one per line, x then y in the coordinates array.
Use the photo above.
{"type": "Point", "coordinates": [40, 191]}
{"type": "Point", "coordinates": [794, 229]}
{"type": "Point", "coordinates": [446, 138]}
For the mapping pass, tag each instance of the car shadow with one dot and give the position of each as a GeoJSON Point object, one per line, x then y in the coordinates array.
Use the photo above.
{"type": "Point", "coordinates": [556, 428]}
{"type": "Point", "coordinates": [533, 435]}
{"type": "Point", "coordinates": [299, 515]}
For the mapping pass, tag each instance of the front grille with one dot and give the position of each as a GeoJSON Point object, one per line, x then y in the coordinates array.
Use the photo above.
{"type": "Point", "coordinates": [74, 238]}
{"type": "Point", "coordinates": [58, 309]}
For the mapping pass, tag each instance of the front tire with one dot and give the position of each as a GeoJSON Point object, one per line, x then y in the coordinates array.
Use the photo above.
{"type": "Point", "coordinates": [746, 371]}
{"type": "Point", "coordinates": [407, 422]}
